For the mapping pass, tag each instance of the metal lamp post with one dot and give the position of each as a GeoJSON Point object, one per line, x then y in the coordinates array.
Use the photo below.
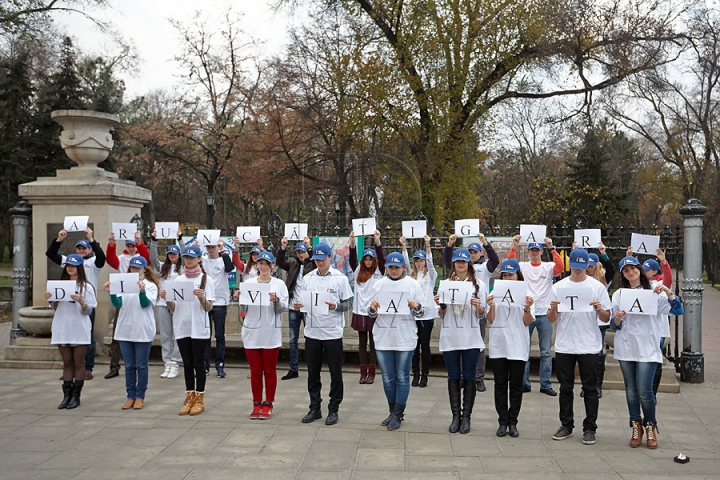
{"type": "Point", "coordinates": [21, 213]}
{"type": "Point", "coordinates": [210, 202]}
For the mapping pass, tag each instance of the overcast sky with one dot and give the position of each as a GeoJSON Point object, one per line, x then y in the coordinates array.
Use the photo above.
{"type": "Point", "coordinates": [144, 24]}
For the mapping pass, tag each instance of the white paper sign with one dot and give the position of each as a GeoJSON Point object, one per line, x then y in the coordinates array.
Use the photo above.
{"type": "Point", "coordinates": [456, 293]}
{"type": "Point", "coordinates": [166, 229]}
{"type": "Point", "coordinates": [510, 291]}
{"type": "Point", "coordinates": [248, 234]}
{"type": "Point", "coordinates": [638, 301]}
{"type": "Point", "coordinates": [208, 237]}
{"type": "Point", "coordinates": [179, 291]}
{"type": "Point", "coordinates": [364, 226]}
{"type": "Point", "coordinates": [393, 302]}
{"type": "Point", "coordinates": [414, 229]}
{"type": "Point", "coordinates": [644, 244]}
{"type": "Point", "coordinates": [532, 234]}
{"type": "Point", "coordinates": [575, 299]}
{"type": "Point", "coordinates": [124, 231]}
{"type": "Point", "coordinates": [298, 231]}
{"type": "Point", "coordinates": [257, 294]}
{"type": "Point", "coordinates": [76, 224]}
{"type": "Point", "coordinates": [314, 302]}
{"type": "Point", "coordinates": [588, 238]}
{"type": "Point", "coordinates": [61, 290]}
{"type": "Point", "coordinates": [468, 227]}
{"type": "Point", "coordinates": [121, 283]}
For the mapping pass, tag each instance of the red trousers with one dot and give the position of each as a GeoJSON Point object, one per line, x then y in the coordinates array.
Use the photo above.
{"type": "Point", "coordinates": [263, 362]}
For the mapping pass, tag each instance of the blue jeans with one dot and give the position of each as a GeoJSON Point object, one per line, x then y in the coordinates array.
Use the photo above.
{"type": "Point", "coordinates": [295, 317]}
{"type": "Point", "coordinates": [545, 329]}
{"type": "Point", "coordinates": [461, 364]}
{"type": "Point", "coordinates": [638, 377]}
{"type": "Point", "coordinates": [395, 367]}
{"type": "Point", "coordinates": [136, 356]}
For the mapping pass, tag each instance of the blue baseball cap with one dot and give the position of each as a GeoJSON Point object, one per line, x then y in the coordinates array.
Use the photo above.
{"type": "Point", "coordinates": [173, 249]}
{"type": "Point", "coordinates": [267, 256]}
{"type": "Point", "coordinates": [629, 261]}
{"type": "Point", "coordinates": [192, 251]}
{"type": "Point", "coordinates": [74, 260]}
{"type": "Point", "coordinates": [129, 242]}
{"type": "Point", "coordinates": [321, 251]}
{"type": "Point", "coordinates": [255, 249]}
{"type": "Point", "coordinates": [461, 254]}
{"type": "Point", "coordinates": [420, 254]}
{"type": "Point", "coordinates": [579, 259]}
{"type": "Point", "coordinates": [83, 243]}
{"type": "Point", "coordinates": [475, 246]}
{"type": "Point", "coordinates": [651, 265]}
{"type": "Point", "coordinates": [510, 266]}
{"type": "Point", "coordinates": [138, 261]}
{"type": "Point", "coordinates": [369, 252]}
{"type": "Point", "coordinates": [593, 259]}
{"type": "Point", "coordinates": [301, 247]}
{"type": "Point", "coordinates": [537, 245]}
{"type": "Point", "coordinates": [395, 259]}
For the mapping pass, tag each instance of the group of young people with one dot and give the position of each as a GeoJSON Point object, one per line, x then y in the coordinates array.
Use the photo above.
{"type": "Point", "coordinates": [396, 340]}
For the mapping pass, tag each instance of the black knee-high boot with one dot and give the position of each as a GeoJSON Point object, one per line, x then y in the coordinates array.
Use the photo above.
{"type": "Point", "coordinates": [454, 394]}
{"type": "Point", "coordinates": [67, 388]}
{"type": "Point", "coordinates": [77, 388]}
{"type": "Point", "coordinates": [468, 402]}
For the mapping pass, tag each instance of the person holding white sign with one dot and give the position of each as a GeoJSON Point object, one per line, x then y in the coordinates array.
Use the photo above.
{"type": "Point", "coordinates": [368, 272]}
{"type": "Point", "coordinates": [247, 270]}
{"type": "Point", "coordinates": [296, 268]}
{"type": "Point", "coordinates": [539, 277]}
{"type": "Point", "coordinates": [218, 265]}
{"type": "Point", "coordinates": [422, 270]}
{"type": "Point", "coordinates": [135, 330]}
{"type": "Point", "coordinates": [71, 329]}
{"type": "Point", "coordinates": [396, 334]}
{"type": "Point", "coordinates": [461, 340]}
{"type": "Point", "coordinates": [323, 333]}
{"type": "Point", "coordinates": [262, 335]}
{"type": "Point", "coordinates": [484, 270]}
{"type": "Point", "coordinates": [192, 329]}
{"type": "Point", "coordinates": [578, 341]}
{"type": "Point", "coordinates": [637, 348]}
{"type": "Point", "coordinates": [508, 318]}
{"type": "Point", "coordinates": [93, 261]}
{"type": "Point", "coordinates": [168, 270]}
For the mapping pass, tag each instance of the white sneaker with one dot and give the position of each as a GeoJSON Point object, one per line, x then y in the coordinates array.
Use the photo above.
{"type": "Point", "coordinates": [166, 372]}
{"type": "Point", "coordinates": [174, 371]}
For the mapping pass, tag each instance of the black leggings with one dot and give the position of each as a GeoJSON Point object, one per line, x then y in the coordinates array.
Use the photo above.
{"type": "Point", "coordinates": [192, 351]}
{"type": "Point", "coordinates": [363, 348]}
{"type": "Point", "coordinates": [73, 362]}
{"type": "Point", "coordinates": [422, 350]}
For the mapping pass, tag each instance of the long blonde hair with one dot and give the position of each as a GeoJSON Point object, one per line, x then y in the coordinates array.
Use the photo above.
{"type": "Point", "coordinates": [599, 273]}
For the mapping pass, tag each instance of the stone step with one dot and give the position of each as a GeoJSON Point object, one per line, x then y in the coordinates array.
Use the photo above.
{"type": "Point", "coordinates": [36, 353]}
{"type": "Point", "coordinates": [35, 364]}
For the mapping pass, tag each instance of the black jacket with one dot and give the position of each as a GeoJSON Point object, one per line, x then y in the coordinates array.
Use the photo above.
{"type": "Point", "coordinates": [292, 266]}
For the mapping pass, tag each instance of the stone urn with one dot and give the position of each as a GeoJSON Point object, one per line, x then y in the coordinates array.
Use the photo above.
{"type": "Point", "coordinates": [36, 320]}
{"type": "Point", "coordinates": [86, 136]}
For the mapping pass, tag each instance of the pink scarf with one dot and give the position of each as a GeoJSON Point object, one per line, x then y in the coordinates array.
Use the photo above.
{"type": "Point", "coordinates": [195, 272]}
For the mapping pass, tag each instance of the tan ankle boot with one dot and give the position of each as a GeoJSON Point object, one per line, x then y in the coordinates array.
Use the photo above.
{"type": "Point", "coordinates": [637, 434]}
{"type": "Point", "coordinates": [651, 435]}
{"type": "Point", "coordinates": [189, 401]}
{"type": "Point", "coordinates": [199, 405]}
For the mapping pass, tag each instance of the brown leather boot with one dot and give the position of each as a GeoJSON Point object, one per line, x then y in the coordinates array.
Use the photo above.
{"type": "Point", "coordinates": [651, 435]}
{"type": "Point", "coordinates": [128, 404]}
{"type": "Point", "coordinates": [199, 405]}
{"type": "Point", "coordinates": [363, 373]}
{"type": "Point", "coordinates": [371, 373]}
{"type": "Point", "coordinates": [637, 434]}
{"type": "Point", "coordinates": [189, 401]}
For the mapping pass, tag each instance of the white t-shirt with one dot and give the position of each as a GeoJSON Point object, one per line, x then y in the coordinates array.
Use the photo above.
{"type": "Point", "coordinates": [394, 331]}
{"type": "Point", "coordinates": [578, 332]}
{"type": "Point", "coordinates": [298, 282]}
{"type": "Point", "coordinates": [508, 333]}
{"type": "Point", "coordinates": [364, 291]}
{"type": "Point", "coordinates": [215, 268]}
{"type": "Point", "coordinates": [70, 324]}
{"type": "Point", "coordinates": [427, 283]}
{"type": "Point", "coordinates": [665, 326]}
{"type": "Point", "coordinates": [539, 279]}
{"type": "Point", "coordinates": [461, 330]}
{"type": "Point", "coordinates": [329, 326]}
{"type": "Point", "coordinates": [135, 323]}
{"type": "Point", "coordinates": [173, 275]}
{"type": "Point", "coordinates": [639, 338]}
{"type": "Point", "coordinates": [250, 272]}
{"type": "Point", "coordinates": [262, 327]}
{"type": "Point", "coordinates": [482, 272]}
{"type": "Point", "coordinates": [189, 318]}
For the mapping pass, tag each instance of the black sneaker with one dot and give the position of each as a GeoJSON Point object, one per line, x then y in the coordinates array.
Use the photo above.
{"type": "Point", "coordinates": [549, 391]}
{"type": "Point", "coordinates": [589, 437]}
{"type": "Point", "coordinates": [481, 386]}
{"type": "Point", "coordinates": [207, 372]}
{"type": "Point", "coordinates": [220, 371]}
{"type": "Point", "coordinates": [562, 433]}
{"type": "Point", "coordinates": [289, 375]}
{"type": "Point", "coordinates": [527, 389]}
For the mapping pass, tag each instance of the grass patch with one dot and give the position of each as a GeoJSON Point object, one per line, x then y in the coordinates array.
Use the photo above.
{"type": "Point", "coordinates": [6, 317]}
{"type": "Point", "coordinates": [6, 281]}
